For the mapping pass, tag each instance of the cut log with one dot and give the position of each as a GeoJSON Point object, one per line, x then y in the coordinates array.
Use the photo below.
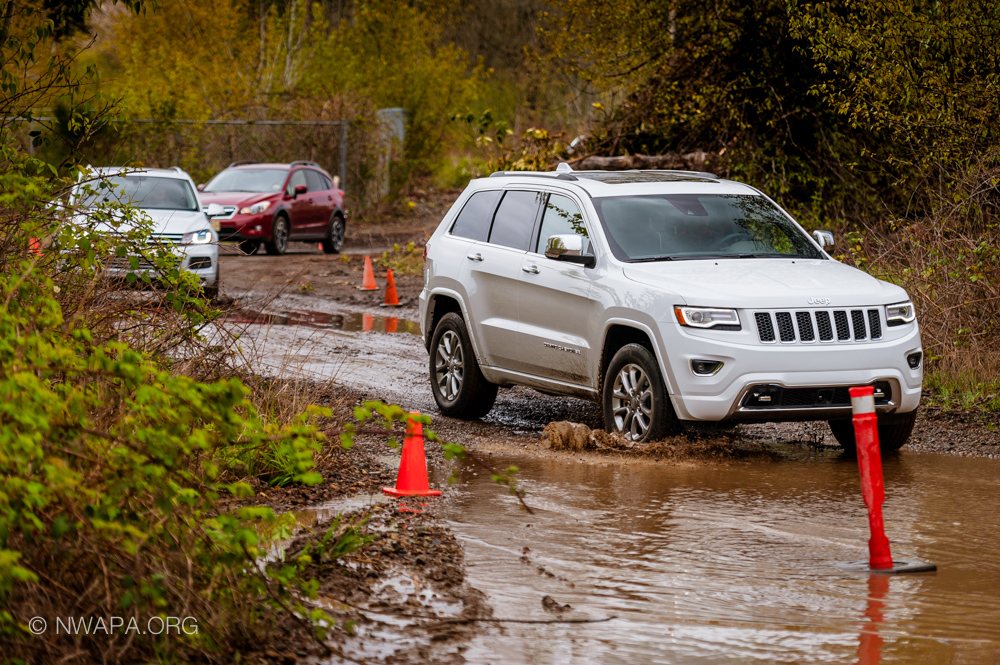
{"type": "Point", "coordinates": [692, 161]}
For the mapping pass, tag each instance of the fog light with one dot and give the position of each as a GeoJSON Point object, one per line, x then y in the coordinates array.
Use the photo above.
{"type": "Point", "coordinates": [705, 367]}
{"type": "Point", "coordinates": [913, 360]}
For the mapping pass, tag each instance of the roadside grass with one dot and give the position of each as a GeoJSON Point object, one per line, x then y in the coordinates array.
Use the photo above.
{"type": "Point", "coordinates": [407, 260]}
{"type": "Point", "coordinates": [963, 390]}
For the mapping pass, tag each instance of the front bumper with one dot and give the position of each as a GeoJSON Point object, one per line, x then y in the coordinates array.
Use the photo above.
{"type": "Point", "coordinates": [245, 227]}
{"type": "Point", "coordinates": [747, 365]}
{"type": "Point", "coordinates": [202, 260]}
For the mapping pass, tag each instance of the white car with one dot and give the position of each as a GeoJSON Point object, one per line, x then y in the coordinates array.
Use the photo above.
{"type": "Point", "coordinates": [665, 296]}
{"type": "Point", "coordinates": [169, 197]}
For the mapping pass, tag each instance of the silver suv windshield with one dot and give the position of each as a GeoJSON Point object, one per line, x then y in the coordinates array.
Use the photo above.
{"type": "Point", "coordinates": [248, 180]}
{"type": "Point", "coordinates": [699, 226]}
{"type": "Point", "coordinates": [143, 191]}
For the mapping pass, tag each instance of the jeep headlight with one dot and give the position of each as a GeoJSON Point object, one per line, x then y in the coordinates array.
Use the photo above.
{"type": "Point", "coordinates": [197, 237]}
{"type": "Point", "coordinates": [256, 208]}
{"type": "Point", "coordinates": [897, 315]}
{"type": "Point", "coordinates": [708, 317]}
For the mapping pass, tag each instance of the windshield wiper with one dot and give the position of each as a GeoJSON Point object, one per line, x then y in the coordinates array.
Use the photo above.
{"type": "Point", "coordinates": [649, 259]}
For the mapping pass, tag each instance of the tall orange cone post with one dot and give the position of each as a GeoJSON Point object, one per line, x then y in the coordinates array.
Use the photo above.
{"type": "Point", "coordinates": [368, 280]}
{"type": "Point", "coordinates": [412, 479]}
{"type": "Point", "coordinates": [872, 486]}
{"type": "Point", "coordinates": [391, 297]}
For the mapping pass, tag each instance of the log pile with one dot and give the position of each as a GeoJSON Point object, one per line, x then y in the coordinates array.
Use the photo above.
{"type": "Point", "coordinates": [692, 161]}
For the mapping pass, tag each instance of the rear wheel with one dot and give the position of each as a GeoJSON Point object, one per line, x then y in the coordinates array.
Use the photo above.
{"type": "Point", "coordinates": [334, 239]}
{"type": "Point", "coordinates": [635, 398]}
{"type": "Point", "coordinates": [279, 237]}
{"type": "Point", "coordinates": [894, 431]}
{"type": "Point", "coordinates": [459, 387]}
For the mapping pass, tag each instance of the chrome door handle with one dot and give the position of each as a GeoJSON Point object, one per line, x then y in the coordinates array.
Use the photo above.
{"type": "Point", "coordinates": [475, 257]}
{"type": "Point", "coordinates": [532, 269]}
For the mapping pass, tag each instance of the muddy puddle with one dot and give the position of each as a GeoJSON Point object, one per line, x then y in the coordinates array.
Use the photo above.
{"type": "Point", "coordinates": [733, 563]}
{"type": "Point", "coordinates": [348, 322]}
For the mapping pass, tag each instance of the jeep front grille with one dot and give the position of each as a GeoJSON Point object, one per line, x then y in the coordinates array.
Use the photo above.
{"type": "Point", "coordinates": [810, 326]}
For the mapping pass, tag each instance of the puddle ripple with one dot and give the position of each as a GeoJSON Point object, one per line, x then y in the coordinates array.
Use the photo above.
{"type": "Point", "coordinates": [722, 564]}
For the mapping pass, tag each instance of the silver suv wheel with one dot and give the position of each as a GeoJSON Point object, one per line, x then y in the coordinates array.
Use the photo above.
{"type": "Point", "coordinates": [632, 402]}
{"type": "Point", "coordinates": [449, 365]}
{"type": "Point", "coordinates": [636, 403]}
{"type": "Point", "coordinates": [458, 385]}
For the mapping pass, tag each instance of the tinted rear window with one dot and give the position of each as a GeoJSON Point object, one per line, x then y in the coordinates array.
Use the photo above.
{"type": "Point", "coordinates": [474, 220]}
{"type": "Point", "coordinates": [515, 219]}
{"type": "Point", "coordinates": [315, 181]}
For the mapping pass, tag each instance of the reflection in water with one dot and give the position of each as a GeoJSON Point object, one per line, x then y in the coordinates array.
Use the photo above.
{"type": "Point", "coordinates": [739, 563]}
{"type": "Point", "coordinates": [351, 321]}
{"type": "Point", "coordinates": [870, 644]}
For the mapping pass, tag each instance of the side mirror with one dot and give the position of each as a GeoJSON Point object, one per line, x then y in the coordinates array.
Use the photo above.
{"type": "Point", "coordinates": [569, 248]}
{"type": "Point", "coordinates": [300, 189]}
{"type": "Point", "coordinates": [823, 238]}
{"type": "Point", "coordinates": [214, 210]}
{"type": "Point", "coordinates": [201, 187]}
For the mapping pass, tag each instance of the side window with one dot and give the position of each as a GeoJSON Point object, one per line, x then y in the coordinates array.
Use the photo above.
{"type": "Point", "coordinates": [315, 181]}
{"type": "Point", "coordinates": [515, 219]}
{"type": "Point", "coordinates": [298, 178]}
{"type": "Point", "coordinates": [561, 216]}
{"type": "Point", "coordinates": [327, 183]}
{"type": "Point", "coordinates": [474, 220]}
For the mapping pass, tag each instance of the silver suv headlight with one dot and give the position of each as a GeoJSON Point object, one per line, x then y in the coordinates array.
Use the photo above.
{"type": "Point", "coordinates": [707, 317]}
{"type": "Point", "coordinates": [897, 315]}
{"type": "Point", "coordinates": [202, 237]}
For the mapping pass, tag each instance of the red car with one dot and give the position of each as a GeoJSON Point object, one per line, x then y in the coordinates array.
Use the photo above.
{"type": "Point", "coordinates": [275, 204]}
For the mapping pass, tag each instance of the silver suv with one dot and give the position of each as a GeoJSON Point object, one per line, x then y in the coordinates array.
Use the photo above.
{"type": "Point", "coordinates": [665, 296]}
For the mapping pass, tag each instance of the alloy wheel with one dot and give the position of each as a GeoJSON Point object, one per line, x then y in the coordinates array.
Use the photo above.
{"type": "Point", "coordinates": [449, 365]}
{"type": "Point", "coordinates": [632, 402]}
{"type": "Point", "coordinates": [281, 235]}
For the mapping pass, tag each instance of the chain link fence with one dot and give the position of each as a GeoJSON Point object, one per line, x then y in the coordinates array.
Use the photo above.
{"type": "Point", "coordinates": [358, 153]}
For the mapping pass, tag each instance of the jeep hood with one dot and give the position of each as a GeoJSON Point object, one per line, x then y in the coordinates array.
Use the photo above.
{"type": "Point", "coordinates": [766, 283]}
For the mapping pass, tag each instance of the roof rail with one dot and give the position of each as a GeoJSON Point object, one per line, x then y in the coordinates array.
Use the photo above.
{"type": "Point", "coordinates": [248, 161]}
{"type": "Point", "coordinates": [534, 174]}
{"type": "Point", "coordinates": [302, 162]}
{"type": "Point", "coordinates": [176, 168]}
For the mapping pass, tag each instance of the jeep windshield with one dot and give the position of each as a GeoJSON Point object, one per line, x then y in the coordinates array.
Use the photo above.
{"type": "Point", "coordinates": [258, 181]}
{"type": "Point", "coordinates": [141, 191]}
{"type": "Point", "coordinates": [672, 227]}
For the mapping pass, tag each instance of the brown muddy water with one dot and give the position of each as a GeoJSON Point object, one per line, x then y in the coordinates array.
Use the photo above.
{"type": "Point", "coordinates": [734, 563]}
{"type": "Point", "coordinates": [347, 321]}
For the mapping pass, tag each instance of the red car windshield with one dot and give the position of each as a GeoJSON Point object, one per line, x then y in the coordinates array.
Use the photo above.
{"type": "Point", "coordinates": [248, 180]}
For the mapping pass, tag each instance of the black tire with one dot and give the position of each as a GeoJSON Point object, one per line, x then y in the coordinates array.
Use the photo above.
{"type": "Point", "coordinates": [249, 246]}
{"type": "Point", "coordinates": [335, 232]}
{"type": "Point", "coordinates": [635, 398]}
{"type": "Point", "coordinates": [459, 387]}
{"type": "Point", "coordinates": [893, 432]}
{"type": "Point", "coordinates": [278, 244]}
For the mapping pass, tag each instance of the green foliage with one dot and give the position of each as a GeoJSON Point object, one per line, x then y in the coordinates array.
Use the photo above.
{"type": "Point", "coordinates": [339, 540]}
{"type": "Point", "coordinates": [407, 260]}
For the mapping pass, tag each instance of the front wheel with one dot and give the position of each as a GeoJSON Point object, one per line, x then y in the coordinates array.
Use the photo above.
{"type": "Point", "coordinates": [279, 237]}
{"type": "Point", "coordinates": [894, 431]}
{"type": "Point", "coordinates": [636, 403]}
{"type": "Point", "coordinates": [335, 232]}
{"type": "Point", "coordinates": [459, 387]}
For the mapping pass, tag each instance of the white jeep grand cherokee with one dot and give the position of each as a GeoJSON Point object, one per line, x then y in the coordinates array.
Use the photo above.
{"type": "Point", "coordinates": [667, 296]}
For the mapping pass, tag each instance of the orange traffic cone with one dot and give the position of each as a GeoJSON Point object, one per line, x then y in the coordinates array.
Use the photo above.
{"type": "Point", "coordinates": [35, 246]}
{"type": "Point", "coordinates": [391, 298]}
{"type": "Point", "coordinates": [412, 479]}
{"type": "Point", "coordinates": [368, 281]}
